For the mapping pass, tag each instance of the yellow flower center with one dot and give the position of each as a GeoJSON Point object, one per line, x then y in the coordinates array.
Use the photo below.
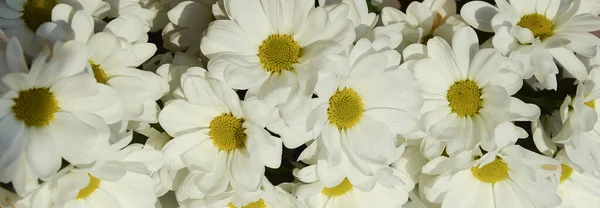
{"type": "Point", "coordinates": [279, 52]}
{"type": "Point", "coordinates": [465, 98]}
{"type": "Point", "coordinates": [540, 26]}
{"type": "Point", "coordinates": [591, 104]}
{"type": "Point", "coordinates": [89, 189]}
{"type": "Point", "coordinates": [36, 12]}
{"type": "Point", "coordinates": [257, 204]}
{"type": "Point", "coordinates": [99, 74]}
{"type": "Point", "coordinates": [566, 172]}
{"type": "Point", "coordinates": [345, 108]}
{"type": "Point", "coordinates": [344, 187]}
{"type": "Point", "coordinates": [492, 172]}
{"type": "Point", "coordinates": [227, 132]}
{"type": "Point", "coordinates": [35, 107]}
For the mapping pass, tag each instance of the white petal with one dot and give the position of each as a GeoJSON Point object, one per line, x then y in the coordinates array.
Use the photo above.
{"type": "Point", "coordinates": [41, 155]}
{"type": "Point", "coordinates": [179, 117]}
{"type": "Point", "coordinates": [570, 62]}
{"type": "Point", "coordinates": [79, 137]}
{"type": "Point", "coordinates": [479, 14]}
{"type": "Point", "coordinates": [379, 148]}
{"type": "Point", "coordinates": [465, 45]}
{"type": "Point", "coordinates": [201, 157]}
{"type": "Point", "coordinates": [245, 171]}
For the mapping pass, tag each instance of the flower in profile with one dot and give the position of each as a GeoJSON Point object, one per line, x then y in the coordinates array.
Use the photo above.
{"type": "Point", "coordinates": [538, 32]}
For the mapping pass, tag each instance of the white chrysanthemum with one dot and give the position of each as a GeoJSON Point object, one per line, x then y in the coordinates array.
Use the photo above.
{"type": "Point", "coordinates": [268, 196]}
{"type": "Point", "coordinates": [509, 177]}
{"type": "Point", "coordinates": [266, 44]}
{"type": "Point", "coordinates": [422, 21]}
{"type": "Point", "coordinates": [538, 32]}
{"type": "Point", "coordinates": [216, 136]}
{"type": "Point", "coordinates": [186, 24]}
{"type": "Point", "coordinates": [576, 189]}
{"type": "Point", "coordinates": [466, 92]}
{"type": "Point", "coordinates": [355, 102]}
{"type": "Point", "coordinates": [112, 64]}
{"type": "Point", "coordinates": [580, 133]}
{"type": "Point", "coordinates": [313, 193]}
{"type": "Point", "coordinates": [362, 20]}
{"type": "Point", "coordinates": [44, 117]}
{"type": "Point", "coordinates": [122, 180]}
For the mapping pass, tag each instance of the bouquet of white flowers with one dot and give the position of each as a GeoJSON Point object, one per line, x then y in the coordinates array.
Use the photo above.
{"type": "Point", "coordinates": [299, 104]}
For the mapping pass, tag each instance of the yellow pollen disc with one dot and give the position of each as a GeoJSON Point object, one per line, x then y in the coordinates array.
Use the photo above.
{"type": "Point", "coordinates": [99, 74]}
{"type": "Point", "coordinates": [89, 189]}
{"type": "Point", "coordinates": [345, 108]}
{"type": "Point", "coordinates": [35, 107]}
{"type": "Point", "coordinates": [465, 98]}
{"type": "Point", "coordinates": [227, 132]}
{"type": "Point", "coordinates": [492, 172]}
{"type": "Point", "coordinates": [591, 104]}
{"type": "Point", "coordinates": [344, 187]}
{"type": "Point", "coordinates": [36, 12]}
{"type": "Point", "coordinates": [279, 52]}
{"type": "Point", "coordinates": [566, 172]}
{"type": "Point", "coordinates": [257, 204]}
{"type": "Point", "coordinates": [540, 26]}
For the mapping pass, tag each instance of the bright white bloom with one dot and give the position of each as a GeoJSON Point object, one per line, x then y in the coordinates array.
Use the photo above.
{"type": "Point", "coordinates": [267, 44]}
{"type": "Point", "coordinates": [315, 194]}
{"type": "Point", "coordinates": [538, 32]}
{"type": "Point", "coordinates": [216, 136]}
{"type": "Point", "coordinates": [267, 196]}
{"type": "Point", "coordinates": [355, 102]}
{"type": "Point", "coordinates": [122, 180]}
{"type": "Point", "coordinates": [362, 20]}
{"type": "Point", "coordinates": [422, 21]}
{"type": "Point", "coordinates": [466, 92]}
{"type": "Point", "coordinates": [509, 177]}
{"type": "Point", "coordinates": [44, 117]}
{"type": "Point", "coordinates": [186, 24]}
{"type": "Point", "coordinates": [580, 133]}
{"type": "Point", "coordinates": [576, 189]}
{"type": "Point", "coordinates": [112, 64]}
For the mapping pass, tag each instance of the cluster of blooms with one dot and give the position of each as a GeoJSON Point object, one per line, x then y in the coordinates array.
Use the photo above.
{"type": "Point", "coordinates": [384, 108]}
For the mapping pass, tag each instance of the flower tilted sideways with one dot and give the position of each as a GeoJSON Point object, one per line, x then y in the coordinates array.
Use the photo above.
{"type": "Point", "coordinates": [508, 177]}
{"type": "Point", "coordinates": [538, 32]}
{"type": "Point", "coordinates": [576, 189]}
{"type": "Point", "coordinates": [215, 137]}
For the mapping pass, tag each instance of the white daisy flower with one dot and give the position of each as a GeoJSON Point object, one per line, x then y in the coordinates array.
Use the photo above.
{"type": "Point", "coordinates": [362, 20]}
{"type": "Point", "coordinates": [580, 133]}
{"type": "Point", "coordinates": [422, 21]}
{"type": "Point", "coordinates": [313, 193]}
{"type": "Point", "coordinates": [113, 65]}
{"type": "Point", "coordinates": [267, 196]}
{"type": "Point", "coordinates": [216, 136]}
{"type": "Point", "coordinates": [123, 181]}
{"type": "Point", "coordinates": [354, 102]}
{"type": "Point", "coordinates": [268, 43]}
{"type": "Point", "coordinates": [536, 33]}
{"type": "Point", "coordinates": [576, 189]}
{"type": "Point", "coordinates": [186, 24]}
{"type": "Point", "coordinates": [466, 92]}
{"type": "Point", "coordinates": [42, 115]}
{"type": "Point", "coordinates": [510, 177]}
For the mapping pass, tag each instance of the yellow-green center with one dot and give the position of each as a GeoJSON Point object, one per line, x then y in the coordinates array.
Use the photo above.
{"type": "Point", "coordinates": [279, 52]}
{"type": "Point", "coordinates": [36, 12]}
{"type": "Point", "coordinates": [591, 104]}
{"type": "Point", "coordinates": [227, 132]}
{"type": "Point", "coordinates": [99, 74]}
{"type": "Point", "coordinates": [492, 172]}
{"type": "Point", "coordinates": [566, 172]}
{"type": "Point", "coordinates": [35, 107]}
{"type": "Point", "coordinates": [344, 187]}
{"type": "Point", "coordinates": [89, 189]}
{"type": "Point", "coordinates": [257, 204]}
{"type": "Point", "coordinates": [345, 108]}
{"type": "Point", "coordinates": [465, 98]}
{"type": "Point", "coordinates": [540, 26]}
